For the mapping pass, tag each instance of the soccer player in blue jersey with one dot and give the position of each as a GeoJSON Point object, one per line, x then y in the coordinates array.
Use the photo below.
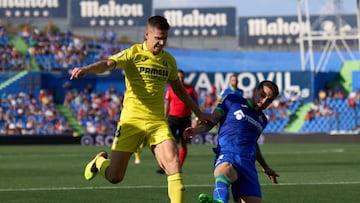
{"type": "Point", "coordinates": [241, 123]}
{"type": "Point", "coordinates": [232, 89]}
{"type": "Point", "coordinates": [148, 68]}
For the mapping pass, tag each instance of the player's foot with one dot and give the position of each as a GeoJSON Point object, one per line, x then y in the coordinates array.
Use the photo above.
{"type": "Point", "coordinates": [137, 161]}
{"type": "Point", "coordinates": [90, 169]}
{"type": "Point", "coordinates": [204, 198]}
{"type": "Point", "coordinates": [160, 171]}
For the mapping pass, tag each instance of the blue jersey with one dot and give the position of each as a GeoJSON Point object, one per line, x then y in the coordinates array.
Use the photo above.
{"type": "Point", "coordinates": [240, 127]}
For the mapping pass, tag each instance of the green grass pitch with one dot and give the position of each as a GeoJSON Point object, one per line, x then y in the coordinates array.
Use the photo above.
{"type": "Point", "coordinates": [318, 173]}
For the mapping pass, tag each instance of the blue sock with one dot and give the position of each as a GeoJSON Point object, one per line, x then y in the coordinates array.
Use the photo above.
{"type": "Point", "coordinates": [221, 189]}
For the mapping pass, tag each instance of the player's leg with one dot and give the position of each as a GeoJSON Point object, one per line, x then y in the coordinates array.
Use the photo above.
{"type": "Point", "coordinates": [247, 188]}
{"type": "Point", "coordinates": [167, 156]}
{"type": "Point", "coordinates": [250, 199]}
{"type": "Point", "coordinates": [172, 122]}
{"type": "Point", "coordinates": [137, 154]}
{"type": "Point", "coordinates": [112, 169]}
{"type": "Point", "coordinates": [123, 147]}
{"type": "Point", "coordinates": [115, 171]}
{"type": "Point", "coordinates": [224, 175]}
{"type": "Point", "coordinates": [165, 150]}
{"type": "Point", "coordinates": [91, 170]}
{"type": "Point", "coordinates": [183, 124]}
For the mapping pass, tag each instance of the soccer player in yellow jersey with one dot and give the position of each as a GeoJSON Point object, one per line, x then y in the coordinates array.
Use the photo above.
{"type": "Point", "coordinates": [147, 70]}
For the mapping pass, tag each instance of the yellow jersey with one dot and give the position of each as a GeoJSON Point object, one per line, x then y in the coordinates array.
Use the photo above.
{"type": "Point", "coordinates": [146, 76]}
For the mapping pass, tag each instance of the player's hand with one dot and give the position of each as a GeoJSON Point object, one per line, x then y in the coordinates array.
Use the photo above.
{"type": "Point", "coordinates": [77, 73]}
{"type": "Point", "coordinates": [272, 175]}
{"type": "Point", "coordinates": [188, 133]}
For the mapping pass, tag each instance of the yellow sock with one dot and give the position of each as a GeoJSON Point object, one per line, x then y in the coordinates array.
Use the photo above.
{"type": "Point", "coordinates": [176, 188]}
{"type": "Point", "coordinates": [102, 164]}
{"type": "Point", "coordinates": [137, 155]}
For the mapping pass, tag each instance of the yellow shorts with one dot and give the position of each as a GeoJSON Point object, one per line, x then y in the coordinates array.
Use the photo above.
{"type": "Point", "coordinates": [131, 133]}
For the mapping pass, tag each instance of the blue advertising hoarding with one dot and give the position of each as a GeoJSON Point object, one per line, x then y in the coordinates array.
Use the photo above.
{"type": "Point", "coordinates": [295, 83]}
{"type": "Point", "coordinates": [305, 84]}
{"type": "Point", "coordinates": [200, 22]}
{"type": "Point", "coordinates": [33, 9]}
{"type": "Point", "coordinates": [108, 13]}
{"type": "Point", "coordinates": [285, 30]}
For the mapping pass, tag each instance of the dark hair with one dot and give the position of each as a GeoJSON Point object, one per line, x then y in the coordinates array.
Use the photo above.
{"type": "Point", "coordinates": [274, 88]}
{"type": "Point", "coordinates": [158, 22]}
{"type": "Point", "coordinates": [181, 71]}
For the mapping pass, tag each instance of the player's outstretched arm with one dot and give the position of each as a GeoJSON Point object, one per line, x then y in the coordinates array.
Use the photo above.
{"type": "Point", "coordinates": [203, 126]}
{"type": "Point", "coordinates": [180, 92]}
{"type": "Point", "coordinates": [98, 67]}
{"type": "Point", "coordinates": [270, 172]}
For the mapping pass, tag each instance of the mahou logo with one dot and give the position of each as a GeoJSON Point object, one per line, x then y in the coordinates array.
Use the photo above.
{"type": "Point", "coordinates": [32, 8]}
{"type": "Point", "coordinates": [262, 27]}
{"type": "Point", "coordinates": [29, 4]}
{"type": "Point", "coordinates": [177, 18]}
{"type": "Point", "coordinates": [89, 9]}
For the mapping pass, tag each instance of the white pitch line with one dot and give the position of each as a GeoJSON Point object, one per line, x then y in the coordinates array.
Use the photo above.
{"type": "Point", "coordinates": [324, 151]}
{"type": "Point", "coordinates": [156, 187]}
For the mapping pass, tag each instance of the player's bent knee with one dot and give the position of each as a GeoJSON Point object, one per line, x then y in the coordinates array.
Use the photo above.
{"type": "Point", "coordinates": [115, 180]}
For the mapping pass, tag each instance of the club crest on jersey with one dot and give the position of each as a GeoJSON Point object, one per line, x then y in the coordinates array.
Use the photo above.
{"type": "Point", "coordinates": [165, 63]}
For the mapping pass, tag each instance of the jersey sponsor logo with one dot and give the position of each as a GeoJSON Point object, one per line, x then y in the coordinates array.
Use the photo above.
{"type": "Point", "coordinates": [153, 71]}
{"type": "Point", "coordinates": [239, 115]}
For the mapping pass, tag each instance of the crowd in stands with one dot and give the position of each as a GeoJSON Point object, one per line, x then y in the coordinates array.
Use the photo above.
{"type": "Point", "coordinates": [10, 58]}
{"type": "Point", "coordinates": [55, 50]}
{"type": "Point", "coordinates": [23, 114]}
{"type": "Point", "coordinates": [97, 112]}
{"type": "Point", "coordinates": [321, 106]}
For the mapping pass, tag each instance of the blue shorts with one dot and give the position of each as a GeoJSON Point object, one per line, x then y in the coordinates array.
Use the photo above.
{"type": "Point", "coordinates": [247, 183]}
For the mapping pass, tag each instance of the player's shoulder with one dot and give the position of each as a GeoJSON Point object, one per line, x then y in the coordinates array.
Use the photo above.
{"type": "Point", "coordinates": [234, 98]}
{"type": "Point", "coordinates": [167, 55]}
{"type": "Point", "coordinates": [128, 51]}
{"type": "Point", "coordinates": [135, 48]}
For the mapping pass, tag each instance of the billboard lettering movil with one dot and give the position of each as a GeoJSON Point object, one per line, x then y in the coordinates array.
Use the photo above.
{"type": "Point", "coordinates": [298, 83]}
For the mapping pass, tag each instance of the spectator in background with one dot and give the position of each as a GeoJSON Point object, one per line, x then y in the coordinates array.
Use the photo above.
{"type": "Point", "coordinates": [232, 89]}
{"type": "Point", "coordinates": [339, 92]}
{"type": "Point", "coordinates": [104, 36]}
{"type": "Point", "coordinates": [2, 29]}
{"type": "Point", "coordinates": [329, 90]}
{"type": "Point", "coordinates": [112, 36]}
{"type": "Point", "coordinates": [351, 101]}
